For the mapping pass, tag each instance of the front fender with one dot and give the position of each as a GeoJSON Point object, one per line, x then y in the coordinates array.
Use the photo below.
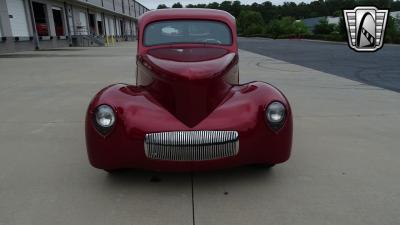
{"type": "Point", "coordinates": [138, 113]}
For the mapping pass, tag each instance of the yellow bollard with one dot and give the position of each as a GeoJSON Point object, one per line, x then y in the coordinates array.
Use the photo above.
{"type": "Point", "coordinates": [109, 41]}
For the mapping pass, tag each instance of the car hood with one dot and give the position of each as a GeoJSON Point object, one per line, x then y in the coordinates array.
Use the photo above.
{"type": "Point", "coordinates": [190, 63]}
{"type": "Point", "coordinates": [190, 82]}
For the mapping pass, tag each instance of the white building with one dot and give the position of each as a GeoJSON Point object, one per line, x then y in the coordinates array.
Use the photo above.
{"type": "Point", "coordinates": [30, 24]}
{"type": "Point", "coordinates": [396, 16]}
{"type": "Point", "coordinates": [312, 22]}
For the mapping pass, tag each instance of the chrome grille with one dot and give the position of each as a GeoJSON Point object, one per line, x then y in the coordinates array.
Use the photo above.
{"type": "Point", "coordinates": [191, 145]}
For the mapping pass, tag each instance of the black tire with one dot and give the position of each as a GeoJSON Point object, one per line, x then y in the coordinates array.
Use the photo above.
{"type": "Point", "coordinates": [265, 166]}
{"type": "Point", "coordinates": [114, 171]}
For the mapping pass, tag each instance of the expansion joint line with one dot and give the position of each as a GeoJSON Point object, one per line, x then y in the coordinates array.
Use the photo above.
{"type": "Point", "coordinates": [192, 181]}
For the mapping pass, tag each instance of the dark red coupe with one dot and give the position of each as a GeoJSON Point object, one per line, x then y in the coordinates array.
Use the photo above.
{"type": "Point", "coordinates": [187, 111]}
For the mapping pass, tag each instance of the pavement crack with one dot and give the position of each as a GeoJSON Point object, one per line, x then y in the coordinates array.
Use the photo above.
{"type": "Point", "coordinates": [192, 181]}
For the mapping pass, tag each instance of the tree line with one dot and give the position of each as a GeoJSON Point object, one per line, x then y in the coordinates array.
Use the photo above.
{"type": "Point", "coordinates": [285, 21]}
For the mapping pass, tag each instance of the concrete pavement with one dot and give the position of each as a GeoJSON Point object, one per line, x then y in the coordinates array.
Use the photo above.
{"type": "Point", "coordinates": [344, 167]}
{"type": "Point", "coordinates": [380, 69]}
{"type": "Point", "coordinates": [45, 177]}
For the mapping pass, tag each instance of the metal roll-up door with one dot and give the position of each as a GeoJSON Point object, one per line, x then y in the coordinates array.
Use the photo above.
{"type": "Point", "coordinates": [106, 22]}
{"type": "Point", "coordinates": [98, 17]}
{"type": "Point", "coordinates": [127, 26]}
{"type": "Point", "coordinates": [70, 20]}
{"type": "Point", "coordinates": [118, 24]}
{"type": "Point", "coordinates": [112, 27]}
{"type": "Point", "coordinates": [18, 18]}
{"type": "Point", "coordinates": [83, 23]}
{"type": "Point", "coordinates": [134, 28]}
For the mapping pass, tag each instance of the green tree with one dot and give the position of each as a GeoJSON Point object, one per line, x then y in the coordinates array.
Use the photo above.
{"type": "Point", "coordinates": [395, 6]}
{"type": "Point", "coordinates": [286, 27]}
{"type": "Point", "coordinates": [177, 5]}
{"type": "Point", "coordinates": [324, 27]}
{"type": "Point", "coordinates": [250, 22]}
{"type": "Point", "coordinates": [341, 28]}
{"type": "Point", "coordinates": [236, 8]}
{"type": "Point", "coordinates": [196, 6]}
{"type": "Point", "coordinates": [300, 28]}
{"type": "Point", "coordinates": [392, 30]}
{"type": "Point", "coordinates": [318, 8]}
{"type": "Point", "coordinates": [162, 6]}
{"type": "Point", "coordinates": [213, 5]}
{"type": "Point", "coordinates": [226, 6]}
{"type": "Point", "coordinates": [274, 29]}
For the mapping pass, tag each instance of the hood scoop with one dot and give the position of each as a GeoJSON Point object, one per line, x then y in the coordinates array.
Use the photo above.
{"type": "Point", "coordinates": [188, 54]}
{"type": "Point", "coordinates": [181, 66]}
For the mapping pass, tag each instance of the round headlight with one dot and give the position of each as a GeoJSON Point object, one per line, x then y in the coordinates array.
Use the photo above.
{"type": "Point", "coordinates": [105, 116]}
{"type": "Point", "coordinates": [275, 115]}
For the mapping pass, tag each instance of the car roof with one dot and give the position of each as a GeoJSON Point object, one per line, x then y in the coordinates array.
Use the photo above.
{"type": "Point", "coordinates": [187, 13]}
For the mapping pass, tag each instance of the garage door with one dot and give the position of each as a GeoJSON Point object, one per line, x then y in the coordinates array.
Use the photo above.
{"type": "Point", "coordinates": [112, 27]}
{"type": "Point", "coordinates": [106, 24]}
{"type": "Point", "coordinates": [19, 24]}
{"type": "Point", "coordinates": [83, 24]}
{"type": "Point", "coordinates": [118, 24]}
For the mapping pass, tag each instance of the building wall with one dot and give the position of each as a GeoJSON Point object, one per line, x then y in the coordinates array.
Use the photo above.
{"type": "Point", "coordinates": [17, 33]}
{"type": "Point", "coordinates": [132, 8]}
{"type": "Point", "coordinates": [134, 29]}
{"type": "Point", "coordinates": [95, 2]}
{"type": "Point", "coordinates": [70, 19]}
{"type": "Point", "coordinates": [126, 7]}
{"type": "Point", "coordinates": [118, 6]}
{"type": "Point", "coordinates": [108, 4]}
{"type": "Point", "coordinates": [137, 9]}
{"type": "Point", "coordinates": [50, 5]}
{"type": "Point", "coordinates": [5, 28]}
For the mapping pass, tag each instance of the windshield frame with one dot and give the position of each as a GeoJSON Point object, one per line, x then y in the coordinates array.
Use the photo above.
{"type": "Point", "coordinates": [189, 43]}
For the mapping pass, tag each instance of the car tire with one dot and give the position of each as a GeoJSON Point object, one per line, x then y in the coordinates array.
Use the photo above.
{"type": "Point", "coordinates": [265, 166]}
{"type": "Point", "coordinates": [113, 171]}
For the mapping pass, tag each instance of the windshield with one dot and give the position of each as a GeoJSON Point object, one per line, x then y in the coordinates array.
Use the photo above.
{"type": "Point", "coordinates": [187, 31]}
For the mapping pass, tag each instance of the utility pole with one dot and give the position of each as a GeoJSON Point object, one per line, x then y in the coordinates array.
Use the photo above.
{"type": "Point", "coordinates": [67, 16]}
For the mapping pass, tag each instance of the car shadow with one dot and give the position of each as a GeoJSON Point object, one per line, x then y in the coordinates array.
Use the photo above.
{"type": "Point", "coordinates": [224, 181]}
{"type": "Point", "coordinates": [232, 176]}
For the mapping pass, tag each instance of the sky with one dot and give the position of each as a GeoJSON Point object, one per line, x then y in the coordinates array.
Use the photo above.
{"type": "Point", "coordinates": [152, 4]}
